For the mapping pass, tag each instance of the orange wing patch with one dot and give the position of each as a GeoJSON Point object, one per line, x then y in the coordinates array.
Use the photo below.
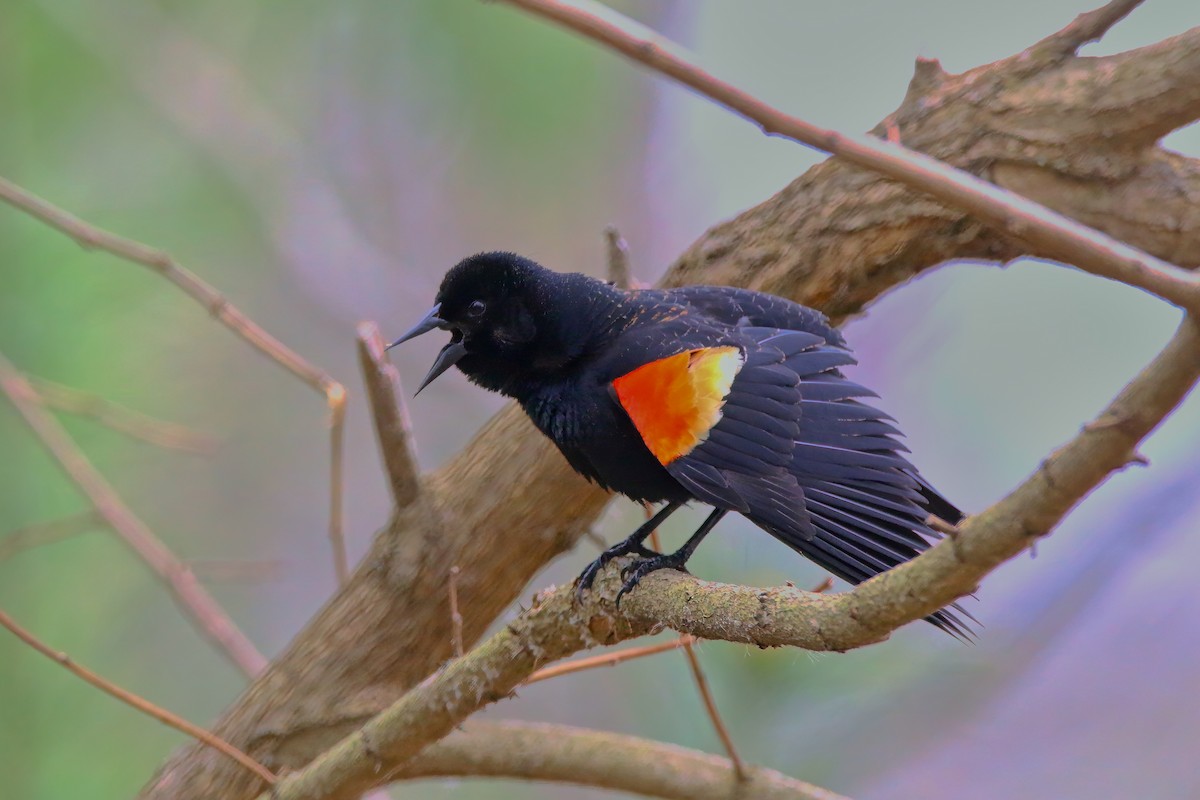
{"type": "Point", "coordinates": [674, 402]}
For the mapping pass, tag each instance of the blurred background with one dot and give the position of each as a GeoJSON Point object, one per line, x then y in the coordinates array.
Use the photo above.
{"type": "Point", "coordinates": [323, 163]}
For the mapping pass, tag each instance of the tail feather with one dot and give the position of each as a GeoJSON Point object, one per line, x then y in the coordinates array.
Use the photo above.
{"type": "Point", "coordinates": [861, 532]}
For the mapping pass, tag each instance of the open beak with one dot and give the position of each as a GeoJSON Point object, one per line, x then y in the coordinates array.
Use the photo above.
{"type": "Point", "coordinates": [449, 355]}
{"type": "Point", "coordinates": [427, 323]}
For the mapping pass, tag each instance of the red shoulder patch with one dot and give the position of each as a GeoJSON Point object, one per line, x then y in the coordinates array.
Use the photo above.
{"type": "Point", "coordinates": [674, 402]}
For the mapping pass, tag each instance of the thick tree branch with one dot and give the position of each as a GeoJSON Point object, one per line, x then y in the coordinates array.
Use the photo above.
{"type": "Point", "coordinates": [1137, 97]}
{"type": "Point", "coordinates": [1151, 91]}
{"type": "Point", "coordinates": [564, 754]}
{"type": "Point", "coordinates": [1064, 238]}
{"type": "Point", "coordinates": [192, 597]}
{"type": "Point", "coordinates": [557, 626]}
{"type": "Point", "coordinates": [837, 238]}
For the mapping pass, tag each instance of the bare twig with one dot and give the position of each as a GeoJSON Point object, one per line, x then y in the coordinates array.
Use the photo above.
{"type": "Point", "coordinates": [191, 596]}
{"type": "Point", "coordinates": [822, 587]}
{"type": "Point", "coordinates": [40, 533]}
{"type": "Point", "coordinates": [710, 703]}
{"type": "Point", "coordinates": [940, 525]}
{"type": "Point", "coordinates": [91, 237]}
{"type": "Point", "coordinates": [609, 659]}
{"type": "Point", "coordinates": [456, 619]}
{"type": "Point", "coordinates": [619, 272]}
{"type": "Point", "coordinates": [538, 751]}
{"type": "Point", "coordinates": [1089, 26]}
{"type": "Point", "coordinates": [393, 428]}
{"type": "Point", "coordinates": [121, 419]}
{"type": "Point", "coordinates": [337, 454]}
{"type": "Point", "coordinates": [139, 703]}
{"type": "Point", "coordinates": [1052, 233]}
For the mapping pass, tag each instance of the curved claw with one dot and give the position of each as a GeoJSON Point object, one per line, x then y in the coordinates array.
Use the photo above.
{"type": "Point", "coordinates": [634, 573]}
{"type": "Point", "coordinates": [588, 576]}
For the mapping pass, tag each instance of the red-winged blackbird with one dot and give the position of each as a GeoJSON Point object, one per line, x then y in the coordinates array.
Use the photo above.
{"type": "Point", "coordinates": [730, 397]}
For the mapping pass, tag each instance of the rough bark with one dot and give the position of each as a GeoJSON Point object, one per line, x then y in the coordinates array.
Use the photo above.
{"type": "Point", "coordinates": [531, 751]}
{"type": "Point", "coordinates": [558, 624]}
{"type": "Point", "coordinates": [1055, 127]}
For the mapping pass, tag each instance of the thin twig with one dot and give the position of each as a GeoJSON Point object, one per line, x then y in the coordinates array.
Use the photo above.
{"type": "Point", "coordinates": [337, 456]}
{"type": "Point", "coordinates": [140, 703]}
{"type": "Point", "coordinates": [1050, 233]}
{"type": "Point", "coordinates": [940, 525]}
{"type": "Point", "coordinates": [823, 587]}
{"type": "Point", "coordinates": [121, 419]}
{"type": "Point", "coordinates": [620, 274]}
{"type": "Point", "coordinates": [90, 237]}
{"type": "Point", "coordinates": [710, 703]}
{"type": "Point", "coordinates": [40, 533]}
{"type": "Point", "coordinates": [456, 618]}
{"type": "Point", "coordinates": [393, 428]}
{"type": "Point", "coordinates": [1089, 26]}
{"type": "Point", "coordinates": [188, 592]}
{"type": "Point", "coordinates": [609, 659]}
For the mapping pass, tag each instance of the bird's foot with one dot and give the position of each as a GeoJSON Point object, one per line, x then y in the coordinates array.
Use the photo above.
{"type": "Point", "coordinates": [625, 548]}
{"type": "Point", "coordinates": [640, 569]}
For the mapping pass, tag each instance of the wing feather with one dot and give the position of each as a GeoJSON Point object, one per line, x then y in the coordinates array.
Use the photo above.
{"type": "Point", "coordinates": [797, 451]}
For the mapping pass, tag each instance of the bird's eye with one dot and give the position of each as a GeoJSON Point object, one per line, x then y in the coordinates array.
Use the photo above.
{"type": "Point", "coordinates": [476, 309]}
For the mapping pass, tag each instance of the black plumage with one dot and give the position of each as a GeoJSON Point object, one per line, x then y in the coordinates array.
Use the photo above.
{"type": "Point", "coordinates": [792, 445]}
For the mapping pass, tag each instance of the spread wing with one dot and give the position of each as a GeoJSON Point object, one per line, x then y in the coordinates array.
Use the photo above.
{"type": "Point", "coordinates": [760, 420]}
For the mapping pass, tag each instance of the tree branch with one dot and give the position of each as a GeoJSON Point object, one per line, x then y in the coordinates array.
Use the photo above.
{"type": "Point", "coordinates": [118, 418]}
{"type": "Point", "coordinates": [139, 703]}
{"type": "Point", "coordinates": [837, 238]}
{"type": "Point", "coordinates": [1089, 26]}
{"type": "Point", "coordinates": [393, 429]}
{"type": "Point", "coordinates": [40, 533]}
{"type": "Point", "coordinates": [1152, 90]}
{"type": "Point", "coordinates": [619, 272]}
{"type": "Point", "coordinates": [609, 659]}
{"type": "Point", "coordinates": [698, 678]}
{"type": "Point", "coordinates": [564, 754]}
{"type": "Point", "coordinates": [192, 597]}
{"type": "Point", "coordinates": [557, 626]}
{"type": "Point", "coordinates": [90, 237]}
{"type": "Point", "coordinates": [1068, 240]}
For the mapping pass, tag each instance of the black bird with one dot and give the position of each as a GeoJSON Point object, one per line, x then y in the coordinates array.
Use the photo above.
{"type": "Point", "coordinates": [726, 396]}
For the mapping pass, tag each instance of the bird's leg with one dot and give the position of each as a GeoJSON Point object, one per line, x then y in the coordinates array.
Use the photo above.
{"type": "Point", "coordinates": [640, 569]}
{"type": "Point", "coordinates": [631, 546]}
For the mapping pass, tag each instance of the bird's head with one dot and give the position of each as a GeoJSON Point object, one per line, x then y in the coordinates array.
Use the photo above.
{"type": "Point", "coordinates": [505, 314]}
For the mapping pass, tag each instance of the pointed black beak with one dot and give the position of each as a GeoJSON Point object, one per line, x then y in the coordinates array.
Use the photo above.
{"type": "Point", "coordinates": [449, 355]}
{"type": "Point", "coordinates": [446, 359]}
{"type": "Point", "coordinates": [427, 323]}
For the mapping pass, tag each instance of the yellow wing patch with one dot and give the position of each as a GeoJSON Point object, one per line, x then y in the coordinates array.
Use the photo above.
{"type": "Point", "coordinates": [674, 402]}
